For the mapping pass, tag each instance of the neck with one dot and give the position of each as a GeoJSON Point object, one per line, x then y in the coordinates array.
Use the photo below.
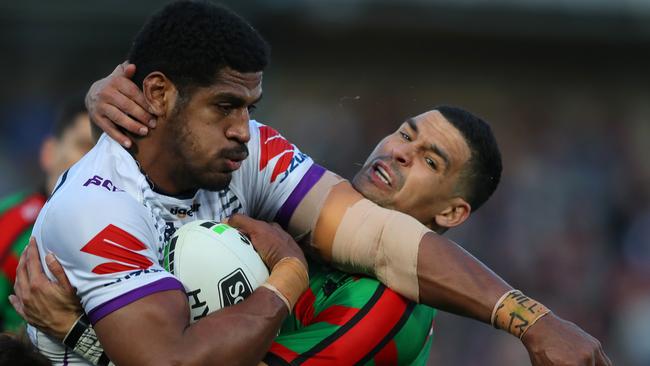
{"type": "Point", "coordinates": [159, 165]}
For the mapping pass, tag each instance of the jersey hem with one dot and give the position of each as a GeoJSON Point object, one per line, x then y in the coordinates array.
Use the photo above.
{"type": "Point", "coordinates": [164, 284]}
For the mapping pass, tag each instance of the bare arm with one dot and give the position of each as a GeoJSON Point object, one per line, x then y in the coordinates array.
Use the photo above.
{"type": "Point", "coordinates": [155, 331]}
{"type": "Point", "coordinates": [451, 279]}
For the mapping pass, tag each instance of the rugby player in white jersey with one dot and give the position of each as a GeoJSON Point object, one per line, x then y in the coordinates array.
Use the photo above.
{"type": "Point", "coordinates": [140, 312]}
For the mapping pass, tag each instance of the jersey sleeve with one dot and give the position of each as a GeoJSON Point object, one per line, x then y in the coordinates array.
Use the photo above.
{"type": "Point", "coordinates": [354, 321]}
{"type": "Point", "coordinates": [108, 245]}
{"type": "Point", "coordinates": [276, 175]}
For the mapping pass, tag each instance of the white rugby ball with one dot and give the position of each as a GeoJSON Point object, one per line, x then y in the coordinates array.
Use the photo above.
{"type": "Point", "coordinates": [216, 263]}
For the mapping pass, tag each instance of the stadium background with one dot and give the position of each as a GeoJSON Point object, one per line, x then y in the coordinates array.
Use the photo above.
{"type": "Point", "coordinates": [565, 84]}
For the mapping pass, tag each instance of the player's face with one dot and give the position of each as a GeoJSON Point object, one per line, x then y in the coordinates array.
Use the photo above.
{"type": "Point", "coordinates": [211, 129]}
{"type": "Point", "coordinates": [75, 142]}
{"type": "Point", "coordinates": [416, 168]}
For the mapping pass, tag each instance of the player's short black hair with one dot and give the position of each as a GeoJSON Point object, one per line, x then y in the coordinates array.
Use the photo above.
{"type": "Point", "coordinates": [16, 352]}
{"type": "Point", "coordinates": [190, 41]}
{"type": "Point", "coordinates": [68, 110]}
{"type": "Point", "coordinates": [482, 172]}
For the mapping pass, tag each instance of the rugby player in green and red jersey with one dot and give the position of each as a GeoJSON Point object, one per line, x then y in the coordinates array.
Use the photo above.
{"type": "Point", "coordinates": [347, 319]}
{"type": "Point", "coordinates": [70, 140]}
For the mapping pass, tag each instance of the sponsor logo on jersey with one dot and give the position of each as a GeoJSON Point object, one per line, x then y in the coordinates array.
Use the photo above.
{"type": "Point", "coordinates": [101, 182]}
{"type": "Point", "coordinates": [234, 288]}
{"type": "Point", "coordinates": [295, 162]}
{"type": "Point", "coordinates": [196, 303]}
{"type": "Point", "coordinates": [135, 274]}
{"type": "Point", "coordinates": [181, 212]}
{"type": "Point", "coordinates": [272, 146]}
{"type": "Point", "coordinates": [120, 247]}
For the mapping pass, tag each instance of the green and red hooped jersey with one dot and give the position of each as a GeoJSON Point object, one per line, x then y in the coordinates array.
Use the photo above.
{"type": "Point", "coordinates": [17, 215]}
{"type": "Point", "coordinates": [345, 319]}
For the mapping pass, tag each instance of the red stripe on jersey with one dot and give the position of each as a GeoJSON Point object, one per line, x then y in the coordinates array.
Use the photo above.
{"type": "Point", "coordinates": [304, 309]}
{"type": "Point", "coordinates": [387, 356]}
{"type": "Point", "coordinates": [336, 314]}
{"type": "Point", "coordinates": [17, 219]}
{"type": "Point", "coordinates": [117, 244]}
{"type": "Point", "coordinates": [9, 265]}
{"type": "Point", "coordinates": [283, 352]}
{"type": "Point", "coordinates": [282, 165]}
{"type": "Point", "coordinates": [273, 144]}
{"type": "Point", "coordinates": [360, 339]}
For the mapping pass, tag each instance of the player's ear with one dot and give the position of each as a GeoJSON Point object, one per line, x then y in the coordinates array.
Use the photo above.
{"type": "Point", "coordinates": [160, 92]}
{"type": "Point", "coordinates": [454, 214]}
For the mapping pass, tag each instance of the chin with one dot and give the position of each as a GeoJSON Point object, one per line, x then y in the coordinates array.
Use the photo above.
{"type": "Point", "coordinates": [216, 183]}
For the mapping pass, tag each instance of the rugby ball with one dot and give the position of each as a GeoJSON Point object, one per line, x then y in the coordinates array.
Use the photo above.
{"type": "Point", "coordinates": [216, 263]}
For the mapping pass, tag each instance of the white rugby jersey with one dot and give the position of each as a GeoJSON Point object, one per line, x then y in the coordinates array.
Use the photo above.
{"type": "Point", "coordinates": [107, 226]}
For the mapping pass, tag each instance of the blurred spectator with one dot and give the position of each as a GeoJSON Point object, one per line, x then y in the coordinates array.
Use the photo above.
{"type": "Point", "coordinates": [70, 140]}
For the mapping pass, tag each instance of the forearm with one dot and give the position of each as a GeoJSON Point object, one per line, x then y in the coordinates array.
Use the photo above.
{"type": "Point", "coordinates": [453, 280]}
{"type": "Point", "coordinates": [242, 327]}
{"type": "Point", "coordinates": [223, 337]}
{"type": "Point", "coordinates": [240, 334]}
{"type": "Point", "coordinates": [404, 255]}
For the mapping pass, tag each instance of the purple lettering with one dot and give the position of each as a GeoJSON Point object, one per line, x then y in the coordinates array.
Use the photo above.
{"type": "Point", "coordinates": [96, 180]}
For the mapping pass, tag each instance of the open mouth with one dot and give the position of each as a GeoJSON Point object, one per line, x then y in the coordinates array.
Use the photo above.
{"type": "Point", "coordinates": [382, 174]}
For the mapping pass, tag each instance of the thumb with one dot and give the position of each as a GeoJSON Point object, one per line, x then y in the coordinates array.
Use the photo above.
{"type": "Point", "coordinates": [17, 304]}
{"type": "Point", "coordinates": [57, 271]}
{"type": "Point", "coordinates": [129, 70]}
{"type": "Point", "coordinates": [242, 223]}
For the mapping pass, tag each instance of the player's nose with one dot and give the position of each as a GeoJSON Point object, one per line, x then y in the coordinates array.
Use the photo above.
{"type": "Point", "coordinates": [239, 130]}
{"type": "Point", "coordinates": [403, 154]}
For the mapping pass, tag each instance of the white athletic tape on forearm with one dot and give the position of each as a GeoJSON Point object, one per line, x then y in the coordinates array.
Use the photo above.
{"type": "Point", "coordinates": [380, 242]}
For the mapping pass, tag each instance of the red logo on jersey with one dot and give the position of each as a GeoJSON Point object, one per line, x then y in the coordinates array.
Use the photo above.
{"type": "Point", "coordinates": [272, 145]}
{"type": "Point", "coordinates": [116, 244]}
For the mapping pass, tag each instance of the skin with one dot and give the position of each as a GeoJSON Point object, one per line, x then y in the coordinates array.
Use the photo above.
{"type": "Point", "coordinates": [203, 137]}
{"type": "Point", "coordinates": [449, 277]}
{"type": "Point", "coordinates": [422, 164]}
{"type": "Point", "coordinates": [57, 155]}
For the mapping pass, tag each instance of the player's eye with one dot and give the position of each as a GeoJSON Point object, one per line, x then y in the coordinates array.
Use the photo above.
{"type": "Point", "coordinates": [405, 136]}
{"type": "Point", "coordinates": [431, 163]}
{"type": "Point", "coordinates": [225, 109]}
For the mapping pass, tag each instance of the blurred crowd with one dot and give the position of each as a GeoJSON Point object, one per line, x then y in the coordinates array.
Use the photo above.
{"type": "Point", "coordinates": [570, 222]}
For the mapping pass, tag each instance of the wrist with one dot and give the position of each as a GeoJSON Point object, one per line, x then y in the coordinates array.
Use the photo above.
{"type": "Point", "coordinates": [288, 280]}
{"type": "Point", "coordinates": [516, 313]}
{"type": "Point", "coordinates": [83, 341]}
{"type": "Point", "coordinates": [65, 326]}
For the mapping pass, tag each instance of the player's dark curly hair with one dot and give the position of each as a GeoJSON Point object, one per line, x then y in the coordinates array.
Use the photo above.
{"type": "Point", "coordinates": [190, 41]}
{"type": "Point", "coordinates": [17, 352]}
{"type": "Point", "coordinates": [482, 173]}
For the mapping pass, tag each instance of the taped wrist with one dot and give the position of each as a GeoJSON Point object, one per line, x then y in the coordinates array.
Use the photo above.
{"type": "Point", "coordinates": [380, 242]}
{"type": "Point", "coordinates": [516, 313]}
{"type": "Point", "coordinates": [288, 280]}
{"type": "Point", "coordinates": [83, 341]}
